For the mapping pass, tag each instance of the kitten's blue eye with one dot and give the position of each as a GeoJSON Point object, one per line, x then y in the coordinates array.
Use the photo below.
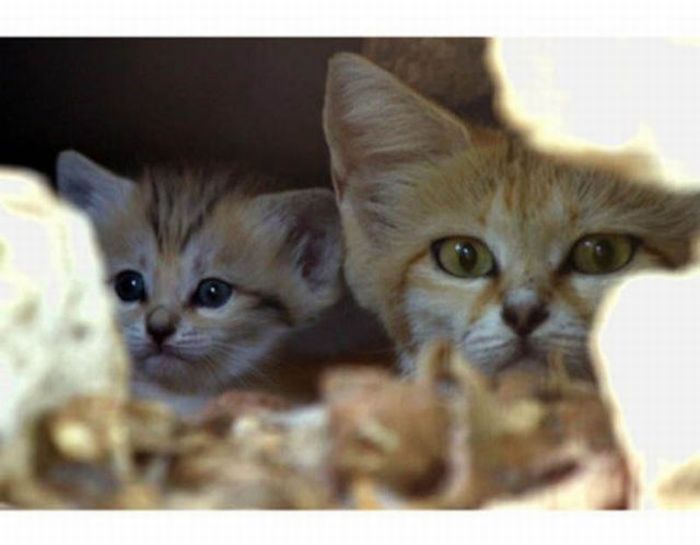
{"type": "Point", "coordinates": [212, 293]}
{"type": "Point", "coordinates": [129, 286]}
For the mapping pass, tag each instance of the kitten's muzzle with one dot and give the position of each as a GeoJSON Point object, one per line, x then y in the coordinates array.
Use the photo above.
{"type": "Point", "coordinates": [161, 323]}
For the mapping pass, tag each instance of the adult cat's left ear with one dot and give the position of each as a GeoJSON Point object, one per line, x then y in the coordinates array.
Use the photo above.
{"type": "Point", "coordinates": [310, 222]}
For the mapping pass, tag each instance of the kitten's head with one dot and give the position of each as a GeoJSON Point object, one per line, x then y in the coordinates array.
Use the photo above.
{"type": "Point", "coordinates": [210, 273]}
{"type": "Point", "coordinates": [469, 235]}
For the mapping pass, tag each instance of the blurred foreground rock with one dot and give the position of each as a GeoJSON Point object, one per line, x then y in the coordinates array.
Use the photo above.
{"type": "Point", "coordinates": [70, 437]}
{"type": "Point", "coordinates": [57, 336]}
{"type": "Point", "coordinates": [450, 439]}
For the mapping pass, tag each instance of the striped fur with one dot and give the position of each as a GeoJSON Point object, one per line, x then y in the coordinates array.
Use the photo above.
{"type": "Point", "coordinates": [177, 226]}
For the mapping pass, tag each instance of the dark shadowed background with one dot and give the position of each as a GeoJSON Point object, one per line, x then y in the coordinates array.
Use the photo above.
{"type": "Point", "coordinates": [128, 101]}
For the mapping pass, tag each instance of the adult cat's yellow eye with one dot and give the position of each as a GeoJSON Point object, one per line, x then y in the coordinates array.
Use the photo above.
{"type": "Point", "coordinates": [464, 257]}
{"type": "Point", "coordinates": [601, 254]}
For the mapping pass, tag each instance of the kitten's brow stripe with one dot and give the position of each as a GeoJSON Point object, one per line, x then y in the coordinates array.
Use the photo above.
{"type": "Point", "coordinates": [154, 210]}
{"type": "Point", "coordinates": [198, 221]}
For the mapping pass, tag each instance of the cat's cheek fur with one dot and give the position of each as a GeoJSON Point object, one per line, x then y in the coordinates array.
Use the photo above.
{"type": "Point", "coordinates": [468, 313]}
{"type": "Point", "coordinates": [210, 347]}
{"type": "Point", "coordinates": [436, 306]}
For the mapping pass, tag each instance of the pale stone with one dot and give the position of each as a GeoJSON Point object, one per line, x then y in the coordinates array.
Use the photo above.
{"type": "Point", "coordinates": [58, 338]}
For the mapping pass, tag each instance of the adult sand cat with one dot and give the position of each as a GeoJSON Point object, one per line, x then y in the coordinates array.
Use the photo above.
{"type": "Point", "coordinates": [212, 273]}
{"type": "Point", "coordinates": [467, 234]}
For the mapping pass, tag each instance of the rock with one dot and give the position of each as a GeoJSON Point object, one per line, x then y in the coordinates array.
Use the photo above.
{"type": "Point", "coordinates": [59, 338]}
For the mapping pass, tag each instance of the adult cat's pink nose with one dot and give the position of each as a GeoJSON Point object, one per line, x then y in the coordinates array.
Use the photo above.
{"type": "Point", "coordinates": [524, 312]}
{"type": "Point", "coordinates": [160, 324]}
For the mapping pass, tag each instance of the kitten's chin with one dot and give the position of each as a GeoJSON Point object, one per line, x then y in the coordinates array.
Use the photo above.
{"type": "Point", "coordinates": [161, 363]}
{"type": "Point", "coordinates": [172, 373]}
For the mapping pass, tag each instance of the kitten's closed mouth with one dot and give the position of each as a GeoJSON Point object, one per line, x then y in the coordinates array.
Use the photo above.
{"type": "Point", "coordinates": [167, 350]}
{"type": "Point", "coordinates": [164, 356]}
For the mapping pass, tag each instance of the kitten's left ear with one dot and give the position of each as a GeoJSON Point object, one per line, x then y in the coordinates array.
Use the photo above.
{"type": "Point", "coordinates": [310, 221]}
{"type": "Point", "coordinates": [89, 186]}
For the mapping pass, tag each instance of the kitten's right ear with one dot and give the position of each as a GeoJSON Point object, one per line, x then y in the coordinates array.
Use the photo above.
{"type": "Point", "coordinates": [89, 186]}
{"type": "Point", "coordinates": [373, 121]}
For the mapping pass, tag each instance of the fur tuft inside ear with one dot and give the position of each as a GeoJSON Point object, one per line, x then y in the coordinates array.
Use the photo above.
{"type": "Point", "coordinates": [89, 186]}
{"type": "Point", "coordinates": [373, 121]}
{"type": "Point", "coordinates": [310, 221]}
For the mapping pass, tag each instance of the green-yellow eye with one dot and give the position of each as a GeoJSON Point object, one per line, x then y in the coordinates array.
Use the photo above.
{"type": "Point", "coordinates": [464, 257]}
{"type": "Point", "coordinates": [601, 254]}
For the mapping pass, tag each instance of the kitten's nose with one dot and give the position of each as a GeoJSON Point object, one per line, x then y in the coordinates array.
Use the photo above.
{"type": "Point", "coordinates": [524, 312]}
{"type": "Point", "coordinates": [160, 324]}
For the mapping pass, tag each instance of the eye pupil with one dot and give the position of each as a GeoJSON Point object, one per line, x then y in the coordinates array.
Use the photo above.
{"type": "Point", "coordinates": [129, 286]}
{"type": "Point", "coordinates": [212, 293]}
{"type": "Point", "coordinates": [603, 253]}
{"type": "Point", "coordinates": [463, 257]}
{"type": "Point", "coordinates": [467, 255]}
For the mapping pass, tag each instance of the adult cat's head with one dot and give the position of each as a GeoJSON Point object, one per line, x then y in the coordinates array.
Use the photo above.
{"type": "Point", "coordinates": [210, 272]}
{"type": "Point", "coordinates": [469, 235]}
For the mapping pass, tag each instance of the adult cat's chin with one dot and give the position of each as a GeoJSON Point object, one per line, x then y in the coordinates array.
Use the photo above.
{"type": "Point", "coordinates": [516, 355]}
{"type": "Point", "coordinates": [535, 357]}
{"type": "Point", "coordinates": [532, 356]}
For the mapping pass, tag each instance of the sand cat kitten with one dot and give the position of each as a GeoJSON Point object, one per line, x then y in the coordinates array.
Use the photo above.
{"type": "Point", "coordinates": [211, 272]}
{"type": "Point", "coordinates": [468, 234]}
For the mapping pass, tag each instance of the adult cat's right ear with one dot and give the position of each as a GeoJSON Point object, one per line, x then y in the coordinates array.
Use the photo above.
{"type": "Point", "coordinates": [89, 186]}
{"type": "Point", "coordinates": [374, 123]}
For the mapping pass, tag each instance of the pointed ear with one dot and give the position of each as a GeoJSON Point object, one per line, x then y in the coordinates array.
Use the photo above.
{"type": "Point", "coordinates": [89, 186]}
{"type": "Point", "coordinates": [310, 223]}
{"type": "Point", "coordinates": [675, 229]}
{"type": "Point", "coordinates": [373, 121]}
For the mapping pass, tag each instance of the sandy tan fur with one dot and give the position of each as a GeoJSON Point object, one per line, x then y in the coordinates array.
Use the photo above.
{"type": "Point", "coordinates": [408, 173]}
